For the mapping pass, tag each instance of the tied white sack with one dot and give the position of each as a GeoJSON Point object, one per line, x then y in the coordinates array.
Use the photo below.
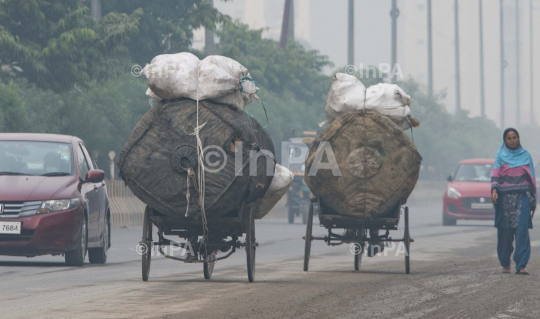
{"type": "Point", "coordinates": [219, 81]}
{"type": "Point", "coordinates": [172, 76]}
{"type": "Point", "coordinates": [391, 101]}
{"type": "Point", "coordinates": [347, 95]}
{"type": "Point", "coordinates": [216, 78]}
{"type": "Point", "coordinates": [278, 188]}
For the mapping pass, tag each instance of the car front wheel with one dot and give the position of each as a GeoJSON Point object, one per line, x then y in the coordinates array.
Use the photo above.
{"type": "Point", "coordinates": [448, 221]}
{"type": "Point", "coordinates": [99, 255]}
{"type": "Point", "coordinates": [76, 257]}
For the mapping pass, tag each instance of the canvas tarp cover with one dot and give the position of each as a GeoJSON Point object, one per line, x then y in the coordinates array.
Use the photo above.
{"type": "Point", "coordinates": [379, 166]}
{"type": "Point", "coordinates": [161, 149]}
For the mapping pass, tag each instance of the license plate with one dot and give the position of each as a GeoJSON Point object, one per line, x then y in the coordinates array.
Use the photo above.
{"type": "Point", "coordinates": [482, 206]}
{"type": "Point", "coordinates": [10, 227]}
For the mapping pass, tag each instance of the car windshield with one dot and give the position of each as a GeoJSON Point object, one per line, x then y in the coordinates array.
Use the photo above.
{"type": "Point", "coordinates": [474, 173]}
{"type": "Point", "coordinates": [35, 158]}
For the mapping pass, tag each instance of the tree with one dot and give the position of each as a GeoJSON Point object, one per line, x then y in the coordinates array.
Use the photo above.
{"type": "Point", "coordinates": [293, 70]}
{"type": "Point", "coordinates": [58, 45]}
{"type": "Point", "coordinates": [13, 114]}
{"type": "Point", "coordinates": [166, 25]}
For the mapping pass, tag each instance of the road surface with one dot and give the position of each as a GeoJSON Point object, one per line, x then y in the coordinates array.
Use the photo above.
{"type": "Point", "coordinates": [454, 274]}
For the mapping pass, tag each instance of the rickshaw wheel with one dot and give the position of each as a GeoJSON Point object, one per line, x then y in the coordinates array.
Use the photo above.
{"type": "Point", "coordinates": [208, 267]}
{"type": "Point", "coordinates": [358, 257]}
{"type": "Point", "coordinates": [407, 241]}
{"type": "Point", "coordinates": [309, 228]}
{"type": "Point", "coordinates": [146, 244]}
{"type": "Point", "coordinates": [250, 245]}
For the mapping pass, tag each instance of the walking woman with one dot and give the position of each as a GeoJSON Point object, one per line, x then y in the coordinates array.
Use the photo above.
{"type": "Point", "coordinates": [513, 191]}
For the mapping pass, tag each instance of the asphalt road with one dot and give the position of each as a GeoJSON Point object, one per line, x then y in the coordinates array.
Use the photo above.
{"type": "Point", "coordinates": [454, 274]}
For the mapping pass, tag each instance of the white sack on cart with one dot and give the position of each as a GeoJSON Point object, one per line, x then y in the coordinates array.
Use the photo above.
{"type": "Point", "coordinates": [172, 76]}
{"type": "Point", "coordinates": [278, 188]}
{"type": "Point", "coordinates": [346, 95]}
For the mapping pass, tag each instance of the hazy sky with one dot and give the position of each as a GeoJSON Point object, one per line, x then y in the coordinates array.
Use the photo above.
{"type": "Point", "coordinates": [322, 24]}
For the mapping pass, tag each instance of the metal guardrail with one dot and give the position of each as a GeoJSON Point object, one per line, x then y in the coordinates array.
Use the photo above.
{"type": "Point", "coordinates": [126, 209]}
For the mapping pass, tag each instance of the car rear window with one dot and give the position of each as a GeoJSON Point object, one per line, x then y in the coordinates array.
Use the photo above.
{"type": "Point", "coordinates": [35, 158]}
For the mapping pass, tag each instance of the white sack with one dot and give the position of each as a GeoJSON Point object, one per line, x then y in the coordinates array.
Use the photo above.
{"type": "Point", "coordinates": [278, 188]}
{"type": "Point", "coordinates": [219, 81]}
{"type": "Point", "coordinates": [173, 76]}
{"type": "Point", "coordinates": [215, 78]}
{"type": "Point", "coordinates": [391, 101]}
{"type": "Point", "coordinates": [346, 95]}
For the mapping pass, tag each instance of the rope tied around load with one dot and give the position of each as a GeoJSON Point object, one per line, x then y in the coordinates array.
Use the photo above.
{"type": "Point", "coordinates": [190, 176]}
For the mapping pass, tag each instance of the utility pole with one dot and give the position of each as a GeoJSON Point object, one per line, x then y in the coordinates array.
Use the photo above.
{"type": "Point", "coordinates": [95, 9]}
{"type": "Point", "coordinates": [532, 61]}
{"type": "Point", "coordinates": [518, 69]}
{"type": "Point", "coordinates": [350, 42]}
{"type": "Point", "coordinates": [482, 94]}
{"type": "Point", "coordinates": [285, 29]}
{"type": "Point", "coordinates": [501, 17]}
{"type": "Point", "coordinates": [290, 29]}
{"type": "Point", "coordinates": [430, 50]}
{"type": "Point", "coordinates": [394, 13]}
{"type": "Point", "coordinates": [456, 26]}
{"type": "Point", "coordinates": [209, 44]}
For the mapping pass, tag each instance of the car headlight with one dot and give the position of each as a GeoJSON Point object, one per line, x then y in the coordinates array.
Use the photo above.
{"type": "Point", "coordinates": [57, 205]}
{"type": "Point", "coordinates": [453, 193]}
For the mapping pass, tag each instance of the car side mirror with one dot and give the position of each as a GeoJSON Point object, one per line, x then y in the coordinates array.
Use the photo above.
{"type": "Point", "coordinates": [95, 176]}
{"type": "Point", "coordinates": [449, 178]}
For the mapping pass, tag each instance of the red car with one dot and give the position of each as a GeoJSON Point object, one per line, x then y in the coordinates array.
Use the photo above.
{"type": "Point", "coordinates": [53, 199]}
{"type": "Point", "coordinates": [468, 195]}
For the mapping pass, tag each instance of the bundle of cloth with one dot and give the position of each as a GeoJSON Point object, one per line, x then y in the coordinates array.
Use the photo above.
{"type": "Point", "coordinates": [348, 94]}
{"type": "Point", "coordinates": [224, 87]}
{"type": "Point", "coordinates": [216, 78]}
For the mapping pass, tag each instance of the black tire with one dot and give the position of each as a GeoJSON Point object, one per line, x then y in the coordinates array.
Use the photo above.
{"type": "Point", "coordinates": [358, 258]}
{"type": "Point", "coordinates": [291, 215]}
{"type": "Point", "coordinates": [146, 245]}
{"type": "Point", "coordinates": [407, 241]}
{"type": "Point", "coordinates": [309, 229]}
{"type": "Point", "coordinates": [250, 245]}
{"type": "Point", "coordinates": [208, 267]}
{"type": "Point", "coordinates": [99, 255]}
{"type": "Point", "coordinates": [76, 257]}
{"type": "Point", "coordinates": [448, 221]}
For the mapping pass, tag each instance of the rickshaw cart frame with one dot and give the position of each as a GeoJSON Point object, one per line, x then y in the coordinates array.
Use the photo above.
{"type": "Point", "coordinates": [358, 235]}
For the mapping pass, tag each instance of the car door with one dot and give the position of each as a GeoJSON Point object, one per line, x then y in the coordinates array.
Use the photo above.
{"type": "Point", "coordinates": [90, 194]}
{"type": "Point", "coordinates": [101, 194]}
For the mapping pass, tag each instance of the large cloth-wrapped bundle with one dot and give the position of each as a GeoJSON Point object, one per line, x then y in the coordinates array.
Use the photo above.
{"type": "Point", "coordinates": [378, 164]}
{"type": "Point", "coordinates": [348, 94]}
{"type": "Point", "coordinates": [159, 162]}
{"type": "Point", "coordinates": [215, 78]}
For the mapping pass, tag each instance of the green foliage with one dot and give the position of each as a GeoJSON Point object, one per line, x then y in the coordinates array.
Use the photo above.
{"type": "Point", "coordinates": [13, 115]}
{"type": "Point", "coordinates": [293, 72]}
{"type": "Point", "coordinates": [102, 115]}
{"type": "Point", "coordinates": [166, 25]}
{"type": "Point", "coordinates": [58, 45]}
{"type": "Point", "coordinates": [444, 139]}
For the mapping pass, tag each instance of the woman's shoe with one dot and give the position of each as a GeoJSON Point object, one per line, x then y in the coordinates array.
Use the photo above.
{"type": "Point", "coordinates": [521, 272]}
{"type": "Point", "coordinates": [506, 270]}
